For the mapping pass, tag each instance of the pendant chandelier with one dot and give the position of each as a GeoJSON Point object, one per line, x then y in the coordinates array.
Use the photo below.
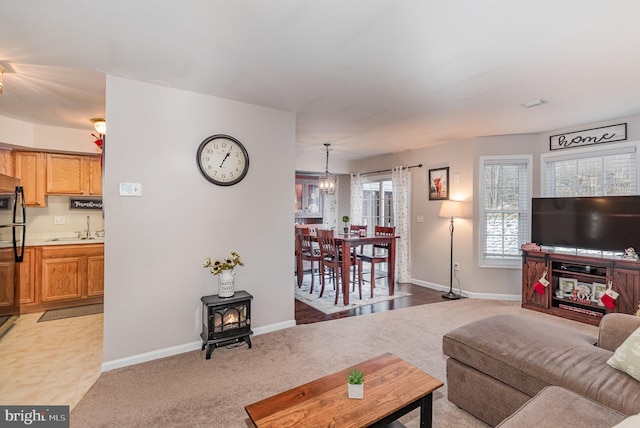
{"type": "Point", "coordinates": [327, 182]}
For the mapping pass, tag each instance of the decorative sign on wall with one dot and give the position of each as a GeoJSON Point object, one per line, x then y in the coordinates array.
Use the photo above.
{"type": "Point", "coordinates": [85, 204]}
{"type": "Point", "coordinates": [605, 134]}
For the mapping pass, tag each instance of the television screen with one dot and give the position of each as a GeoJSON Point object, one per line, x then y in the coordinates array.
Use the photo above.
{"type": "Point", "coordinates": [610, 223]}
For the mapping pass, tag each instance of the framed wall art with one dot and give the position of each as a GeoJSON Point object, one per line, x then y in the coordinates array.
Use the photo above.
{"type": "Point", "coordinates": [439, 184]}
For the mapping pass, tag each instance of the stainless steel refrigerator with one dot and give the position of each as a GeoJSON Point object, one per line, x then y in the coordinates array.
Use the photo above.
{"type": "Point", "coordinates": [12, 235]}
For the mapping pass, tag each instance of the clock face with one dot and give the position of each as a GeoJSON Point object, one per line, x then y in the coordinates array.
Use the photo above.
{"type": "Point", "coordinates": [222, 160]}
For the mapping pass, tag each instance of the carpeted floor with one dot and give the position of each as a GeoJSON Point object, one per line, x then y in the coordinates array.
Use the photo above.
{"type": "Point", "coordinates": [78, 311]}
{"type": "Point", "coordinates": [188, 391]}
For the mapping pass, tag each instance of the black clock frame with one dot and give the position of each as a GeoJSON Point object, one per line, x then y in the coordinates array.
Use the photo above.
{"type": "Point", "coordinates": [213, 180]}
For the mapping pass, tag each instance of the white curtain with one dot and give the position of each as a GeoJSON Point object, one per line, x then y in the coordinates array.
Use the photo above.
{"type": "Point", "coordinates": [401, 183]}
{"type": "Point", "coordinates": [330, 210]}
{"type": "Point", "coordinates": [356, 199]}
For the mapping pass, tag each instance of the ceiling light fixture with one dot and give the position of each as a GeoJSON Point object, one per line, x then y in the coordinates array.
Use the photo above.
{"type": "Point", "coordinates": [533, 103]}
{"type": "Point", "coordinates": [327, 182]}
{"type": "Point", "coordinates": [100, 125]}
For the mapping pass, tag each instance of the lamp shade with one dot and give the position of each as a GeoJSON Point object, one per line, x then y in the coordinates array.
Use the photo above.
{"type": "Point", "coordinates": [451, 209]}
{"type": "Point", "coordinates": [100, 125]}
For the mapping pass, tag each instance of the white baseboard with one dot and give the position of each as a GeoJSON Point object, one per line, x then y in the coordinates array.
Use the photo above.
{"type": "Point", "coordinates": [485, 296]}
{"type": "Point", "coordinates": [179, 349]}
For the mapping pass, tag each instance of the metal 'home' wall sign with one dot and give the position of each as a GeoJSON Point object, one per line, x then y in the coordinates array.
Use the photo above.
{"type": "Point", "coordinates": [605, 134]}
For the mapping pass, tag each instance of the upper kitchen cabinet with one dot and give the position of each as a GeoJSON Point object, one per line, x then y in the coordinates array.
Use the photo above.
{"type": "Point", "coordinates": [73, 175]}
{"type": "Point", "coordinates": [6, 162]}
{"type": "Point", "coordinates": [30, 168]}
{"type": "Point", "coordinates": [308, 205]}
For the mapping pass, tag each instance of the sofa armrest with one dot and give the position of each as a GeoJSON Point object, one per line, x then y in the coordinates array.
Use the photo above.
{"type": "Point", "coordinates": [615, 329]}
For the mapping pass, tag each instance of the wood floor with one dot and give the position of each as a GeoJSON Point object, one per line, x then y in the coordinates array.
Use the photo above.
{"type": "Point", "coordinates": [305, 314]}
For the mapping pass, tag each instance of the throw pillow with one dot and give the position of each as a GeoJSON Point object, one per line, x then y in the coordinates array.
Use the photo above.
{"type": "Point", "coordinates": [630, 422]}
{"type": "Point", "coordinates": [627, 356]}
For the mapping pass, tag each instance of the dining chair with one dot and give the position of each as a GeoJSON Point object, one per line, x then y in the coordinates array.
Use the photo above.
{"type": "Point", "coordinates": [331, 258]}
{"type": "Point", "coordinates": [306, 251]}
{"type": "Point", "coordinates": [380, 252]}
{"type": "Point", "coordinates": [356, 228]}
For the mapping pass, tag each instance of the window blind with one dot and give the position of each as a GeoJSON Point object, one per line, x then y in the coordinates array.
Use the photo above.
{"type": "Point", "coordinates": [505, 193]}
{"type": "Point", "coordinates": [605, 173]}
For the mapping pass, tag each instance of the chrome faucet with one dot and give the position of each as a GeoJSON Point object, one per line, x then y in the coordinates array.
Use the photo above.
{"type": "Point", "coordinates": [88, 227]}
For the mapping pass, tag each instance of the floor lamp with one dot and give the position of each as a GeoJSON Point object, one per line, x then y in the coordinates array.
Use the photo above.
{"type": "Point", "coordinates": [451, 209]}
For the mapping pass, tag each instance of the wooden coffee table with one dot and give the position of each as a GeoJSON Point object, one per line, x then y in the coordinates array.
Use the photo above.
{"type": "Point", "coordinates": [392, 388]}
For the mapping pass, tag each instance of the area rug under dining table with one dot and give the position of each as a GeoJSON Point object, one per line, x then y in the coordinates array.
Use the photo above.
{"type": "Point", "coordinates": [326, 302]}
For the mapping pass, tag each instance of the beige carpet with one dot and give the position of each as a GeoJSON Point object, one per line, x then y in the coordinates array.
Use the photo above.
{"type": "Point", "coordinates": [188, 391]}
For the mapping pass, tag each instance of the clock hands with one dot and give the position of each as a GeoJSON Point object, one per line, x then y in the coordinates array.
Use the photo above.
{"type": "Point", "coordinates": [226, 156]}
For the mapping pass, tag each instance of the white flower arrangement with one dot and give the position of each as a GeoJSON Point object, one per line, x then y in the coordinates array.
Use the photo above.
{"type": "Point", "coordinates": [217, 266]}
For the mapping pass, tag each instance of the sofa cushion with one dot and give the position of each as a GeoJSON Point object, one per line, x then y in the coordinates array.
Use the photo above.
{"type": "Point", "coordinates": [529, 354]}
{"type": "Point", "coordinates": [557, 407]}
{"type": "Point", "coordinates": [627, 356]}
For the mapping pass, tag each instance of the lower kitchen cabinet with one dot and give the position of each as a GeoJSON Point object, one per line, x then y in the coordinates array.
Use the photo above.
{"type": "Point", "coordinates": [63, 276]}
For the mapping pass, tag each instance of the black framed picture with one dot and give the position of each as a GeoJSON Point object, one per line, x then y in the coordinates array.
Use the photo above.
{"type": "Point", "coordinates": [439, 184]}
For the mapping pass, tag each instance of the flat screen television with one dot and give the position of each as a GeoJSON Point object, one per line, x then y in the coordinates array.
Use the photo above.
{"type": "Point", "coordinates": [607, 223]}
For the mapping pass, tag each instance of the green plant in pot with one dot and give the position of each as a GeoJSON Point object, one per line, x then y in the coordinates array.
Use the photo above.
{"type": "Point", "coordinates": [355, 384]}
{"type": "Point", "coordinates": [345, 220]}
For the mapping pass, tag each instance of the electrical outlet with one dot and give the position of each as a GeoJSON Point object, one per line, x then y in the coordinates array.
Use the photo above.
{"type": "Point", "coordinates": [59, 219]}
{"type": "Point", "coordinates": [456, 266]}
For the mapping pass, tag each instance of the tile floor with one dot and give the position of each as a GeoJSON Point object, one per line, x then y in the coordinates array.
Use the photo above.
{"type": "Point", "coordinates": [52, 362]}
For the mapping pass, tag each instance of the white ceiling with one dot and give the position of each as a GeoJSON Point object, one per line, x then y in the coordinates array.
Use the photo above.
{"type": "Point", "coordinates": [369, 76]}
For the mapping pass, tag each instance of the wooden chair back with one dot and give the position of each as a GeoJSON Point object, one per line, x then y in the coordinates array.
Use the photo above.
{"type": "Point", "coordinates": [383, 231]}
{"type": "Point", "coordinates": [358, 228]}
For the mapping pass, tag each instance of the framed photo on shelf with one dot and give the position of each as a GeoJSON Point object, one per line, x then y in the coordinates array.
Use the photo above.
{"type": "Point", "coordinates": [597, 291]}
{"type": "Point", "coordinates": [567, 285]}
{"type": "Point", "coordinates": [439, 184]}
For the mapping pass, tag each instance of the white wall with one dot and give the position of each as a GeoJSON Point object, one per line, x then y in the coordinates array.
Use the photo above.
{"type": "Point", "coordinates": [156, 243]}
{"type": "Point", "coordinates": [16, 133]}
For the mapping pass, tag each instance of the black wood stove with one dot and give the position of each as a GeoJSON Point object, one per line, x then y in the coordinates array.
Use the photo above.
{"type": "Point", "coordinates": [225, 320]}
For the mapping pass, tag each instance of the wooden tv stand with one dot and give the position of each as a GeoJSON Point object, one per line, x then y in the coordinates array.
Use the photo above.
{"type": "Point", "coordinates": [624, 276]}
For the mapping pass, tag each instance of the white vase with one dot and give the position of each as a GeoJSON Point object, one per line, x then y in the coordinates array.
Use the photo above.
{"type": "Point", "coordinates": [226, 283]}
{"type": "Point", "coordinates": [355, 391]}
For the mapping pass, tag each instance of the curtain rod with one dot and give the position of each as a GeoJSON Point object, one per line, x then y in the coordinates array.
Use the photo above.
{"type": "Point", "coordinates": [389, 170]}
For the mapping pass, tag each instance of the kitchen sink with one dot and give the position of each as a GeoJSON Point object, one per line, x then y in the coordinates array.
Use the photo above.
{"type": "Point", "coordinates": [69, 239]}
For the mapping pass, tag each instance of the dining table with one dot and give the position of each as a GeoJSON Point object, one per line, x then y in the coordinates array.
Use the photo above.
{"type": "Point", "coordinates": [349, 241]}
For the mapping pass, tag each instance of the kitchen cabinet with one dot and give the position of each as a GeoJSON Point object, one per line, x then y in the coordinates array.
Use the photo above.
{"type": "Point", "coordinates": [26, 277]}
{"type": "Point", "coordinates": [71, 272]}
{"type": "Point", "coordinates": [73, 175]}
{"type": "Point", "coordinates": [60, 276]}
{"type": "Point", "coordinates": [308, 200]}
{"type": "Point", "coordinates": [7, 290]}
{"type": "Point", "coordinates": [6, 162]}
{"type": "Point", "coordinates": [30, 168]}
{"type": "Point", "coordinates": [94, 181]}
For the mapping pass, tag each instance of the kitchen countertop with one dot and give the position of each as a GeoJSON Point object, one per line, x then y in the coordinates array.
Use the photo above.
{"type": "Point", "coordinates": [38, 242]}
{"type": "Point", "coordinates": [54, 240]}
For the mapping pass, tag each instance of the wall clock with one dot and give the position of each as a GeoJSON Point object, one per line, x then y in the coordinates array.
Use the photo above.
{"type": "Point", "coordinates": [222, 160]}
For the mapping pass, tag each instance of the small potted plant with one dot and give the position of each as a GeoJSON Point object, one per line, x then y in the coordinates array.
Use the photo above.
{"type": "Point", "coordinates": [355, 384]}
{"type": "Point", "coordinates": [345, 220]}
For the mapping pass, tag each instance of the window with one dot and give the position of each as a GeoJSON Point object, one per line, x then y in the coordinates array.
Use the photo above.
{"type": "Point", "coordinates": [610, 172]}
{"type": "Point", "coordinates": [505, 192]}
{"type": "Point", "coordinates": [377, 205]}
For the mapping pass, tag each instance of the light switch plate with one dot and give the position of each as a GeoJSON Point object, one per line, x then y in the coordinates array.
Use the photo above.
{"type": "Point", "coordinates": [420, 218]}
{"type": "Point", "coordinates": [130, 189]}
{"type": "Point", "coordinates": [59, 219]}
